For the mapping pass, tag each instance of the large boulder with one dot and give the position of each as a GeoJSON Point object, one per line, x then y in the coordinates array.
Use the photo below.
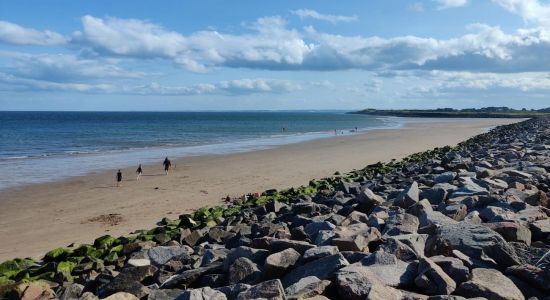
{"type": "Point", "coordinates": [243, 270]}
{"type": "Point", "coordinates": [401, 223]}
{"type": "Point", "coordinates": [491, 284]}
{"type": "Point", "coordinates": [322, 268]}
{"type": "Point", "coordinates": [474, 241]}
{"type": "Point", "coordinates": [269, 290]}
{"type": "Point", "coordinates": [512, 232]}
{"type": "Point", "coordinates": [278, 263]}
{"type": "Point", "coordinates": [306, 288]}
{"type": "Point", "coordinates": [408, 197]}
{"type": "Point", "coordinates": [356, 282]}
{"type": "Point", "coordinates": [390, 270]}
{"type": "Point", "coordinates": [161, 255]}
{"type": "Point", "coordinates": [432, 279]}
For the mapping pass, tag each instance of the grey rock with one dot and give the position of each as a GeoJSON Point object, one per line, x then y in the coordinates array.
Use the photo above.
{"type": "Point", "coordinates": [390, 270]}
{"type": "Point", "coordinates": [243, 270]}
{"type": "Point", "coordinates": [432, 279]}
{"type": "Point", "coordinates": [278, 263]}
{"type": "Point", "coordinates": [164, 294]}
{"type": "Point", "coordinates": [306, 288]}
{"type": "Point", "coordinates": [512, 232]}
{"type": "Point", "coordinates": [161, 255]}
{"type": "Point", "coordinates": [205, 293]}
{"type": "Point", "coordinates": [453, 267]}
{"type": "Point", "coordinates": [445, 177]}
{"type": "Point", "coordinates": [256, 255]}
{"type": "Point", "coordinates": [408, 196]}
{"type": "Point", "coordinates": [401, 223]}
{"type": "Point", "coordinates": [357, 282]}
{"type": "Point", "coordinates": [473, 240]}
{"type": "Point", "coordinates": [269, 290]}
{"type": "Point", "coordinates": [322, 268]}
{"type": "Point", "coordinates": [319, 252]}
{"type": "Point", "coordinates": [491, 284]}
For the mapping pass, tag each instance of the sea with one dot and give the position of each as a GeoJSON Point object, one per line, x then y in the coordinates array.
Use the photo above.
{"type": "Point", "coordinates": [41, 147]}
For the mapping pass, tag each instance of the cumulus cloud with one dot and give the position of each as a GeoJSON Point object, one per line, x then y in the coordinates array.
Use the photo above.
{"type": "Point", "coordinates": [312, 14]}
{"type": "Point", "coordinates": [530, 10]}
{"type": "Point", "coordinates": [11, 33]}
{"type": "Point", "coordinates": [271, 45]}
{"type": "Point", "coordinates": [444, 4]}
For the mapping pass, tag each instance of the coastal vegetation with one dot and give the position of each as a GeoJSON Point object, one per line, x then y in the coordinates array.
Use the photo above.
{"type": "Point", "coordinates": [486, 112]}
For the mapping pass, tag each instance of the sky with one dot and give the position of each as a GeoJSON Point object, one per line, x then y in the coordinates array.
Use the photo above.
{"type": "Point", "coordinates": [273, 55]}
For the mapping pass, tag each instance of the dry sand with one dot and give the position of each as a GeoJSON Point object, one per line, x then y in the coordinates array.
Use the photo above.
{"type": "Point", "coordinates": [38, 218]}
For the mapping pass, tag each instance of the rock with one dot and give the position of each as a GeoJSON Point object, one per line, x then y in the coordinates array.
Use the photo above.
{"type": "Point", "coordinates": [278, 263]}
{"type": "Point", "coordinates": [88, 296]}
{"type": "Point", "coordinates": [516, 173]}
{"type": "Point", "coordinates": [453, 267]}
{"type": "Point", "coordinates": [306, 288]}
{"type": "Point", "coordinates": [321, 268]}
{"type": "Point", "coordinates": [512, 232]}
{"type": "Point", "coordinates": [129, 281]}
{"type": "Point", "coordinates": [491, 284]}
{"type": "Point", "coordinates": [319, 252]}
{"type": "Point", "coordinates": [408, 196]}
{"type": "Point", "coordinates": [367, 199]}
{"type": "Point", "coordinates": [473, 240]}
{"type": "Point", "coordinates": [432, 279]}
{"type": "Point", "coordinates": [401, 223]}
{"type": "Point", "coordinates": [356, 243]}
{"type": "Point", "coordinates": [406, 247]}
{"type": "Point", "coordinates": [314, 227]}
{"type": "Point", "coordinates": [164, 294]}
{"type": "Point", "coordinates": [212, 255]}
{"type": "Point", "coordinates": [191, 237]}
{"type": "Point", "coordinates": [540, 229]}
{"type": "Point", "coordinates": [456, 212]}
{"type": "Point", "coordinates": [421, 206]}
{"type": "Point", "coordinates": [468, 188]}
{"type": "Point", "coordinates": [269, 290]}
{"type": "Point", "coordinates": [243, 270]}
{"type": "Point", "coordinates": [538, 199]}
{"type": "Point", "coordinates": [324, 237]}
{"type": "Point", "coordinates": [36, 291]}
{"type": "Point", "coordinates": [122, 296]}
{"type": "Point", "coordinates": [161, 255]}
{"type": "Point", "coordinates": [445, 177]}
{"type": "Point", "coordinates": [73, 291]}
{"type": "Point", "coordinates": [204, 293]}
{"type": "Point", "coordinates": [434, 219]}
{"type": "Point", "coordinates": [358, 283]}
{"type": "Point", "coordinates": [390, 270]}
{"type": "Point", "coordinates": [232, 291]}
{"type": "Point", "coordinates": [256, 255]}
{"type": "Point", "coordinates": [138, 262]}
{"type": "Point", "coordinates": [535, 276]}
{"type": "Point", "coordinates": [496, 214]}
{"type": "Point", "coordinates": [277, 245]}
{"type": "Point", "coordinates": [186, 278]}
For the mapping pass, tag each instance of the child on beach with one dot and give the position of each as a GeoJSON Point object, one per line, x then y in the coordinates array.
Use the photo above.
{"type": "Point", "coordinates": [167, 164]}
{"type": "Point", "coordinates": [139, 171]}
{"type": "Point", "coordinates": [118, 178]}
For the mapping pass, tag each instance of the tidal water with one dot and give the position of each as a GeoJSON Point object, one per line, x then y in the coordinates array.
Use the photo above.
{"type": "Point", "coordinates": [39, 147]}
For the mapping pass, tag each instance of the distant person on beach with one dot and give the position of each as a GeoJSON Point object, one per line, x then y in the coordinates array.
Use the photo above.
{"type": "Point", "coordinates": [118, 178]}
{"type": "Point", "coordinates": [139, 171]}
{"type": "Point", "coordinates": [167, 164]}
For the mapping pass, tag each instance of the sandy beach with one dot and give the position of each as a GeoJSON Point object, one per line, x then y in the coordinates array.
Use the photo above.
{"type": "Point", "coordinates": [37, 218]}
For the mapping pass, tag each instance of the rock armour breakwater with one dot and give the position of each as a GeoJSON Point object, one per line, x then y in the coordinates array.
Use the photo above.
{"type": "Point", "coordinates": [469, 221]}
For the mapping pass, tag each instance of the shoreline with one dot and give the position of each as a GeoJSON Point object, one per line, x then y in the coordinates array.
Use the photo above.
{"type": "Point", "coordinates": [40, 217]}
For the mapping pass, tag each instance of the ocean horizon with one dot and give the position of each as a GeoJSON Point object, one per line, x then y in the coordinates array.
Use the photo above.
{"type": "Point", "coordinates": [48, 146]}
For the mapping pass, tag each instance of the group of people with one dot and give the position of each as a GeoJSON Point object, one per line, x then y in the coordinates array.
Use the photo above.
{"type": "Point", "coordinates": [167, 166]}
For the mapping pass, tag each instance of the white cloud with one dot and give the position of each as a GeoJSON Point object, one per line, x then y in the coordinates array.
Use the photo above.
{"type": "Point", "coordinates": [11, 33]}
{"type": "Point", "coordinates": [65, 67]}
{"type": "Point", "coordinates": [530, 10]}
{"type": "Point", "coordinates": [309, 13]}
{"type": "Point", "coordinates": [270, 45]}
{"type": "Point", "coordinates": [229, 87]}
{"type": "Point", "coordinates": [444, 4]}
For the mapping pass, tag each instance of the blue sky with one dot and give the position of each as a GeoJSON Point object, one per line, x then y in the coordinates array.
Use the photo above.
{"type": "Point", "coordinates": [275, 55]}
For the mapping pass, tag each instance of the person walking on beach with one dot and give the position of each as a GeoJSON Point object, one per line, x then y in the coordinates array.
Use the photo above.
{"type": "Point", "coordinates": [167, 164]}
{"type": "Point", "coordinates": [139, 171]}
{"type": "Point", "coordinates": [118, 178]}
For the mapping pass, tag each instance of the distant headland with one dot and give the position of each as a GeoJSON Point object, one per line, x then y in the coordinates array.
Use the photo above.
{"type": "Point", "coordinates": [485, 112]}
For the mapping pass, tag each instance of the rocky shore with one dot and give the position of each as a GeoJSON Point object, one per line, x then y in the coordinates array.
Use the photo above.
{"type": "Point", "coordinates": [450, 223]}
